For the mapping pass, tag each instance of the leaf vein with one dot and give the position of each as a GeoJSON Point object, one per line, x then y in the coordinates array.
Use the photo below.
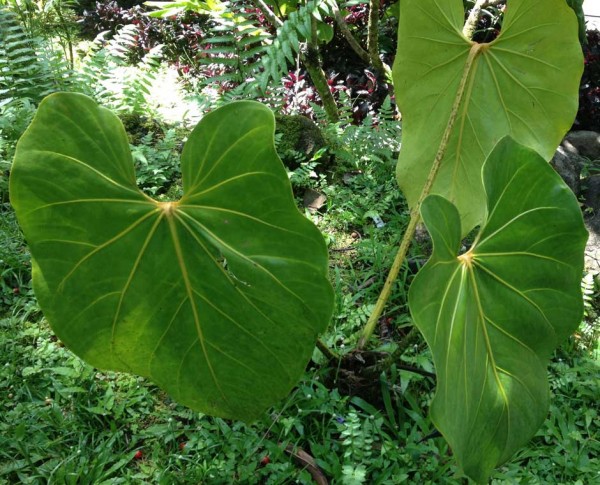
{"type": "Point", "coordinates": [190, 293]}
{"type": "Point", "coordinates": [104, 245]}
{"type": "Point", "coordinates": [245, 258]}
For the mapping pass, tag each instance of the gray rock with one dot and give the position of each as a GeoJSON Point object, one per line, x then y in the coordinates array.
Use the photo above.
{"type": "Point", "coordinates": [592, 248]}
{"type": "Point", "coordinates": [314, 200]}
{"type": "Point", "coordinates": [575, 152]}
{"type": "Point", "coordinates": [568, 165]}
{"type": "Point", "coordinates": [583, 143]}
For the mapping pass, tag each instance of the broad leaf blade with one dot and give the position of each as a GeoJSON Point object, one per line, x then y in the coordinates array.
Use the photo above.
{"type": "Point", "coordinates": [493, 315]}
{"type": "Point", "coordinates": [523, 84]}
{"type": "Point", "coordinates": [217, 297]}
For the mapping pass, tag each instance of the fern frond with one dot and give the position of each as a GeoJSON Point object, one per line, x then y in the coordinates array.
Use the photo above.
{"type": "Point", "coordinates": [237, 43]}
{"type": "Point", "coordinates": [25, 72]}
{"type": "Point", "coordinates": [286, 46]}
{"type": "Point", "coordinates": [107, 75]}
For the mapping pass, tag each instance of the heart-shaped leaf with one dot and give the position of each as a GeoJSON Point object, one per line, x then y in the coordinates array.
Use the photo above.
{"type": "Point", "coordinates": [217, 297]}
{"type": "Point", "coordinates": [523, 84]}
{"type": "Point", "coordinates": [493, 315]}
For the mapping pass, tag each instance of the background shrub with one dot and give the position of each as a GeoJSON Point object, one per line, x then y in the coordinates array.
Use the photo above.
{"type": "Point", "coordinates": [588, 116]}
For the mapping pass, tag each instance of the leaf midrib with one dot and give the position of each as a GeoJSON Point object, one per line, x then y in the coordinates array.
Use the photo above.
{"type": "Point", "coordinates": [241, 293]}
{"type": "Point", "coordinates": [190, 296]}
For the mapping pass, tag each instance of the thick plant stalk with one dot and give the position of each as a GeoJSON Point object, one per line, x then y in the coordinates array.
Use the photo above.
{"type": "Point", "coordinates": [356, 47]}
{"type": "Point", "coordinates": [317, 75]}
{"type": "Point", "coordinates": [373, 39]}
{"type": "Point", "coordinates": [269, 14]}
{"type": "Point", "coordinates": [313, 66]}
{"type": "Point", "coordinates": [415, 216]}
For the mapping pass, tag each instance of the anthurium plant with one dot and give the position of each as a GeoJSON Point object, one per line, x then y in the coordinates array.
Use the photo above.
{"type": "Point", "coordinates": [219, 297]}
{"type": "Point", "coordinates": [207, 295]}
{"type": "Point", "coordinates": [493, 315]}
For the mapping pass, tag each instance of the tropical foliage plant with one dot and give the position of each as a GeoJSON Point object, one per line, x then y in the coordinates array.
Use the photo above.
{"type": "Point", "coordinates": [535, 113]}
{"type": "Point", "coordinates": [257, 46]}
{"type": "Point", "coordinates": [51, 20]}
{"type": "Point", "coordinates": [219, 296]}
{"type": "Point", "coordinates": [493, 315]}
{"type": "Point", "coordinates": [214, 288]}
{"type": "Point", "coordinates": [234, 43]}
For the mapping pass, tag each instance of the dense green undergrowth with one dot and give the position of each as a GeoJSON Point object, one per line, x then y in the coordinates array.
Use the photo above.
{"type": "Point", "coordinates": [63, 421]}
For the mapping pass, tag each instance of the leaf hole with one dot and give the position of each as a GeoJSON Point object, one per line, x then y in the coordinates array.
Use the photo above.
{"type": "Point", "coordinates": [230, 273]}
{"type": "Point", "coordinates": [489, 24]}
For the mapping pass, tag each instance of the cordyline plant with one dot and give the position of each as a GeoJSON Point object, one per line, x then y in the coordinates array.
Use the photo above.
{"type": "Point", "coordinates": [219, 297]}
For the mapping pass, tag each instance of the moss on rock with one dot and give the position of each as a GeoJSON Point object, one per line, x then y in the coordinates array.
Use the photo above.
{"type": "Point", "coordinates": [300, 139]}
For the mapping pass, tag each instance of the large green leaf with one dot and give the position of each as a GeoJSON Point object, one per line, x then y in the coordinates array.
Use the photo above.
{"type": "Point", "coordinates": [523, 84]}
{"type": "Point", "coordinates": [493, 315]}
{"type": "Point", "coordinates": [218, 297]}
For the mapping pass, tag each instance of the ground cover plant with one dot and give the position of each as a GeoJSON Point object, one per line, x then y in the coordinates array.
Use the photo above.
{"type": "Point", "coordinates": [365, 430]}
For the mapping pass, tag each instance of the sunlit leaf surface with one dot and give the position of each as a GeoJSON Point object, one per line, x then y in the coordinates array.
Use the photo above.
{"type": "Point", "coordinates": [523, 84]}
{"type": "Point", "coordinates": [217, 297]}
{"type": "Point", "coordinates": [493, 315]}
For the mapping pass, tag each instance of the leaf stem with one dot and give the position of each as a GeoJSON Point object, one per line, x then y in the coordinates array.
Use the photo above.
{"type": "Point", "coordinates": [330, 354]}
{"type": "Point", "coordinates": [416, 370]}
{"type": "Point", "coordinates": [415, 215]}
{"type": "Point", "coordinates": [411, 338]}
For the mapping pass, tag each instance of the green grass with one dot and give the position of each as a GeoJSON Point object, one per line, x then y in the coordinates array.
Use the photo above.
{"type": "Point", "coordinates": [64, 422]}
{"type": "Point", "coordinates": [15, 265]}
